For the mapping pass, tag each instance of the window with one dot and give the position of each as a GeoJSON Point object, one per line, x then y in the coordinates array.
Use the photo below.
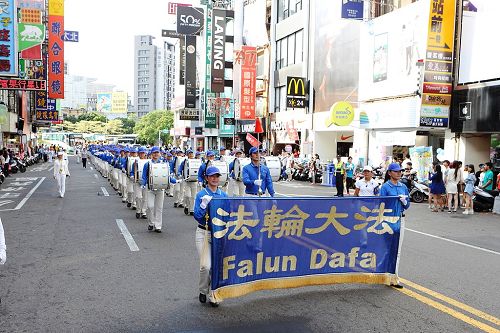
{"type": "Point", "coordinates": [287, 8]}
{"type": "Point", "coordinates": [299, 47]}
{"type": "Point", "coordinates": [289, 50]}
{"type": "Point", "coordinates": [143, 59]}
{"type": "Point", "coordinates": [143, 86]}
{"type": "Point", "coordinates": [143, 66]}
{"type": "Point", "coordinates": [143, 100]}
{"type": "Point", "coordinates": [143, 52]}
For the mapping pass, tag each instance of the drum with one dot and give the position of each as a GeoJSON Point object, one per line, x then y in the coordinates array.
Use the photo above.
{"type": "Point", "coordinates": [274, 165]}
{"type": "Point", "coordinates": [190, 172]}
{"type": "Point", "coordinates": [159, 176]}
{"type": "Point", "coordinates": [228, 159]}
{"type": "Point", "coordinates": [177, 165]}
{"type": "Point", "coordinates": [139, 167]}
{"type": "Point", "coordinates": [224, 171]}
{"type": "Point", "coordinates": [239, 163]}
{"type": "Point", "coordinates": [130, 163]}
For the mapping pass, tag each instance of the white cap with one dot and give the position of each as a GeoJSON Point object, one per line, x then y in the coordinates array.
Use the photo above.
{"type": "Point", "coordinates": [368, 168]}
{"type": "Point", "coordinates": [60, 153]}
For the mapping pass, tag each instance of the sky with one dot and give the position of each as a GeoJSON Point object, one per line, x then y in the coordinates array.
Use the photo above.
{"type": "Point", "coordinates": [106, 30]}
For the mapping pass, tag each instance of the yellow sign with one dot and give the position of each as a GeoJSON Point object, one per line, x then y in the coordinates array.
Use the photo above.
{"type": "Point", "coordinates": [119, 102]}
{"type": "Point", "coordinates": [299, 87]}
{"type": "Point", "coordinates": [441, 25]}
{"type": "Point", "coordinates": [341, 114]}
{"type": "Point", "coordinates": [56, 7]}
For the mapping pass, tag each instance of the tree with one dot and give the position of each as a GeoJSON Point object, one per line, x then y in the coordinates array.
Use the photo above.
{"type": "Point", "coordinates": [72, 119]}
{"type": "Point", "coordinates": [128, 125]}
{"type": "Point", "coordinates": [147, 127]}
{"type": "Point", "coordinates": [113, 127]}
{"type": "Point", "coordinates": [92, 116]}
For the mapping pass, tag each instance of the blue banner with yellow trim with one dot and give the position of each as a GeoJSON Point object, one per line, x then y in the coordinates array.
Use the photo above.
{"type": "Point", "coordinates": [270, 243]}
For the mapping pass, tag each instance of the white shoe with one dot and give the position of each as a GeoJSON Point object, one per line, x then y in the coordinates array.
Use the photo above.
{"type": "Point", "coordinates": [471, 211]}
{"type": "Point", "coordinates": [465, 212]}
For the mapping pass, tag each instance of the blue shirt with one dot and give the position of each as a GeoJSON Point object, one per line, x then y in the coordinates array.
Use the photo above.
{"type": "Point", "coordinates": [389, 189]}
{"type": "Point", "coordinates": [200, 213]}
{"type": "Point", "coordinates": [201, 172]}
{"type": "Point", "coordinates": [145, 173]}
{"type": "Point", "coordinates": [251, 174]}
{"type": "Point", "coordinates": [349, 168]}
{"type": "Point", "coordinates": [231, 169]}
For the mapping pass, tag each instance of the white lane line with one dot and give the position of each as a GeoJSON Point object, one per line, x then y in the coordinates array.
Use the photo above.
{"type": "Point", "coordinates": [126, 234]}
{"type": "Point", "coordinates": [91, 168]}
{"type": "Point", "coordinates": [96, 177]}
{"type": "Point", "coordinates": [106, 194]}
{"type": "Point", "coordinates": [454, 241]}
{"type": "Point", "coordinates": [21, 204]}
{"type": "Point", "coordinates": [52, 167]}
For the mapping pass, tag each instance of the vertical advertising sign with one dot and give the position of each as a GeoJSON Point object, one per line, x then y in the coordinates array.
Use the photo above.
{"type": "Point", "coordinates": [210, 117]}
{"type": "Point", "coordinates": [182, 67]}
{"type": "Point", "coordinates": [8, 45]}
{"type": "Point", "coordinates": [119, 102]}
{"type": "Point", "coordinates": [246, 59]}
{"type": "Point", "coordinates": [190, 80]}
{"type": "Point", "coordinates": [352, 9]}
{"type": "Point", "coordinates": [56, 49]}
{"type": "Point", "coordinates": [438, 64]}
{"type": "Point", "coordinates": [226, 125]}
{"type": "Point", "coordinates": [218, 47]}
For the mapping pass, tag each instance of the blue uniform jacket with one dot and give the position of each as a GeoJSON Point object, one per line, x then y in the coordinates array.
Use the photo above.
{"type": "Point", "coordinates": [145, 174]}
{"type": "Point", "coordinates": [201, 172]}
{"type": "Point", "coordinates": [123, 163]}
{"type": "Point", "coordinates": [231, 169]}
{"type": "Point", "coordinates": [251, 173]}
{"type": "Point", "coordinates": [199, 213]}
{"type": "Point", "coordinates": [389, 189]}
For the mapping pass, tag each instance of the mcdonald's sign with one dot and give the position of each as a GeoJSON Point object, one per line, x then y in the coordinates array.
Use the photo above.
{"type": "Point", "coordinates": [295, 86]}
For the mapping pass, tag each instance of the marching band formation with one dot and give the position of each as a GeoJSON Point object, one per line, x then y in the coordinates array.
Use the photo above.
{"type": "Point", "coordinates": [142, 177]}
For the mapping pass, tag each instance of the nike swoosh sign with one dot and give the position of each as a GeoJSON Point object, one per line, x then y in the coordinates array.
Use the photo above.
{"type": "Point", "coordinates": [345, 137]}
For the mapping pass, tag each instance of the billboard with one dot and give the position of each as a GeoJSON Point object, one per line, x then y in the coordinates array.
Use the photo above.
{"type": "Point", "coordinates": [246, 61]}
{"type": "Point", "coordinates": [218, 48]}
{"type": "Point", "coordinates": [479, 54]}
{"type": "Point", "coordinates": [8, 40]}
{"type": "Point", "coordinates": [104, 102]}
{"type": "Point", "coordinates": [190, 20]}
{"type": "Point", "coordinates": [190, 79]}
{"type": "Point", "coordinates": [30, 34]}
{"type": "Point", "coordinates": [119, 102]}
{"type": "Point", "coordinates": [336, 55]}
{"type": "Point", "coordinates": [56, 49]}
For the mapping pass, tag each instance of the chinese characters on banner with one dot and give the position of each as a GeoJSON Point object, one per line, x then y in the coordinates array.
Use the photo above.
{"type": "Point", "coordinates": [56, 49]}
{"type": "Point", "coordinates": [8, 45]}
{"type": "Point", "coordinates": [304, 241]}
{"type": "Point", "coordinates": [246, 59]}
{"type": "Point", "coordinates": [436, 97]}
{"type": "Point", "coordinates": [46, 109]}
{"type": "Point", "coordinates": [18, 84]}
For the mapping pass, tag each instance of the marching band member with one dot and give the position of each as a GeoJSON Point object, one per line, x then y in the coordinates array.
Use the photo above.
{"type": "Point", "coordinates": [140, 194]}
{"type": "Point", "coordinates": [190, 188]}
{"type": "Point", "coordinates": [61, 171]}
{"type": "Point", "coordinates": [203, 232]}
{"type": "Point", "coordinates": [155, 198]}
{"type": "Point", "coordinates": [178, 190]}
{"type": "Point", "coordinates": [222, 153]}
{"type": "Point", "coordinates": [234, 189]}
{"type": "Point", "coordinates": [170, 161]}
{"type": "Point", "coordinates": [130, 182]}
{"type": "Point", "coordinates": [257, 182]}
{"type": "Point", "coordinates": [123, 173]}
{"type": "Point", "coordinates": [201, 171]}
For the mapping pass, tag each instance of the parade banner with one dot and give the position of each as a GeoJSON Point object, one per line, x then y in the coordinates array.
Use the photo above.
{"type": "Point", "coordinates": [56, 49]}
{"type": "Point", "coordinates": [269, 243]}
{"type": "Point", "coordinates": [8, 41]}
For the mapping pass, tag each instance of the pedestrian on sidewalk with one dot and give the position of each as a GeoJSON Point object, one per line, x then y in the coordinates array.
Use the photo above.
{"type": "Point", "coordinates": [84, 157]}
{"type": "Point", "coordinates": [366, 187]}
{"type": "Point", "coordinates": [437, 188]}
{"type": "Point", "coordinates": [61, 171]}
{"type": "Point", "coordinates": [469, 189]}
{"type": "Point", "coordinates": [349, 171]}
{"type": "Point", "coordinates": [339, 176]}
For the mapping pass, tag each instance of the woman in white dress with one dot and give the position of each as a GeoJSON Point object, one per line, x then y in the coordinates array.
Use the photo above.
{"type": "Point", "coordinates": [61, 171]}
{"type": "Point", "coordinates": [453, 177]}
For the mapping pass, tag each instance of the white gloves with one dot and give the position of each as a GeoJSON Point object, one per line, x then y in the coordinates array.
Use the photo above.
{"type": "Point", "coordinates": [200, 184]}
{"type": "Point", "coordinates": [403, 200]}
{"type": "Point", "coordinates": [180, 181]}
{"type": "Point", "coordinates": [205, 200]}
{"type": "Point", "coordinates": [258, 182]}
{"type": "Point", "coordinates": [143, 186]}
{"type": "Point", "coordinates": [3, 257]}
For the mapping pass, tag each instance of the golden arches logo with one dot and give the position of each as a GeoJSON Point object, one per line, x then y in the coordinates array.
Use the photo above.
{"type": "Point", "coordinates": [297, 83]}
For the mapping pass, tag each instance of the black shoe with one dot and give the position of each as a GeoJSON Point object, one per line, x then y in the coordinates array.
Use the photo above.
{"type": "Point", "coordinates": [202, 298]}
{"type": "Point", "coordinates": [158, 231]}
{"type": "Point", "coordinates": [180, 206]}
{"type": "Point", "coordinates": [144, 216]}
{"type": "Point", "coordinates": [175, 205]}
{"type": "Point", "coordinates": [134, 208]}
{"type": "Point", "coordinates": [214, 305]}
{"type": "Point", "coordinates": [120, 194]}
{"type": "Point", "coordinates": [129, 204]}
{"type": "Point", "coordinates": [150, 227]}
{"type": "Point", "coordinates": [137, 215]}
{"type": "Point", "coordinates": [192, 213]}
{"type": "Point", "coordinates": [186, 210]}
{"type": "Point", "coordinates": [398, 286]}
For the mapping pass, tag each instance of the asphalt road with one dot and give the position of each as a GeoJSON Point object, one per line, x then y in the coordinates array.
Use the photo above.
{"type": "Point", "coordinates": [69, 269]}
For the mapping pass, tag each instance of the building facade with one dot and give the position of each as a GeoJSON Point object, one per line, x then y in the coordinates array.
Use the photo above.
{"type": "Point", "coordinates": [145, 55]}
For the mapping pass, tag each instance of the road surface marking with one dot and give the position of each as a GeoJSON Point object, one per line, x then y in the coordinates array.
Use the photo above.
{"type": "Point", "coordinates": [91, 168]}
{"type": "Point", "coordinates": [455, 242]}
{"type": "Point", "coordinates": [30, 193]}
{"type": "Point", "coordinates": [448, 310]}
{"type": "Point", "coordinates": [126, 234]}
{"type": "Point", "coordinates": [96, 176]}
{"type": "Point", "coordinates": [51, 168]}
{"type": "Point", "coordinates": [453, 302]}
{"type": "Point", "coordinates": [106, 194]}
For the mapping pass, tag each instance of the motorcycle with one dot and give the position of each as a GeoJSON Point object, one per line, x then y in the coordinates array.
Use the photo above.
{"type": "Point", "coordinates": [2, 176]}
{"type": "Point", "coordinates": [418, 192]}
{"type": "Point", "coordinates": [483, 200]}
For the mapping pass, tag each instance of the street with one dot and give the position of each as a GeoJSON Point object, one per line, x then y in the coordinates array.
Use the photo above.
{"type": "Point", "coordinates": [73, 267]}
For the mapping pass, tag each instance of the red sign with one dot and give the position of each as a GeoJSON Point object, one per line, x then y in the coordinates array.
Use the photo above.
{"type": "Point", "coordinates": [56, 57]}
{"type": "Point", "coordinates": [252, 140]}
{"type": "Point", "coordinates": [172, 7]}
{"type": "Point", "coordinates": [18, 84]}
{"type": "Point", "coordinates": [434, 88]}
{"type": "Point", "coordinates": [246, 59]}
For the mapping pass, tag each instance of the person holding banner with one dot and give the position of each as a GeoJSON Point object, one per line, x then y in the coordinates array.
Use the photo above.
{"type": "Point", "coordinates": [393, 187]}
{"type": "Point", "coordinates": [203, 232]}
{"type": "Point", "coordinates": [257, 177]}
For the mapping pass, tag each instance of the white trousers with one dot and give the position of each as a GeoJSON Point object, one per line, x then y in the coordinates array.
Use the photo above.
{"type": "Point", "coordinates": [61, 183]}
{"type": "Point", "coordinates": [139, 201]}
{"type": "Point", "coordinates": [123, 184]}
{"type": "Point", "coordinates": [177, 193]}
{"type": "Point", "coordinates": [203, 246]}
{"type": "Point", "coordinates": [190, 191]}
{"type": "Point", "coordinates": [238, 189]}
{"type": "Point", "coordinates": [130, 190]}
{"type": "Point", "coordinates": [115, 178]}
{"type": "Point", "coordinates": [155, 208]}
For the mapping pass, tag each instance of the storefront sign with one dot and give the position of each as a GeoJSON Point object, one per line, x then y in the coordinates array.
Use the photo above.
{"type": "Point", "coordinates": [171, 34]}
{"type": "Point", "coordinates": [210, 117]}
{"type": "Point", "coordinates": [352, 9]}
{"type": "Point", "coordinates": [30, 34]}
{"type": "Point", "coordinates": [190, 81]}
{"type": "Point", "coordinates": [218, 47]}
{"type": "Point", "coordinates": [17, 84]}
{"type": "Point", "coordinates": [189, 114]}
{"type": "Point", "coordinates": [226, 125]}
{"type": "Point", "coordinates": [246, 60]}
{"type": "Point", "coordinates": [71, 36]}
{"type": "Point", "coordinates": [46, 108]}
{"type": "Point", "coordinates": [190, 20]}
{"type": "Point", "coordinates": [172, 7]}
{"type": "Point", "coordinates": [8, 40]}
{"type": "Point", "coordinates": [296, 92]}
{"type": "Point", "coordinates": [182, 67]}
{"type": "Point", "coordinates": [438, 63]}
{"type": "Point", "coordinates": [341, 114]}
{"type": "Point", "coordinates": [198, 131]}
{"type": "Point", "coordinates": [56, 49]}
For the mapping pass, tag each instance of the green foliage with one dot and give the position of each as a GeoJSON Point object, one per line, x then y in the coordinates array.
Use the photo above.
{"type": "Point", "coordinates": [148, 126]}
{"type": "Point", "coordinates": [91, 116]}
{"type": "Point", "coordinates": [128, 125]}
{"type": "Point", "coordinates": [72, 119]}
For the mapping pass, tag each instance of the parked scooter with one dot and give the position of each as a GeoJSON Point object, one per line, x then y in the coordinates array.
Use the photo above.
{"type": "Point", "coordinates": [418, 192]}
{"type": "Point", "coordinates": [483, 200]}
